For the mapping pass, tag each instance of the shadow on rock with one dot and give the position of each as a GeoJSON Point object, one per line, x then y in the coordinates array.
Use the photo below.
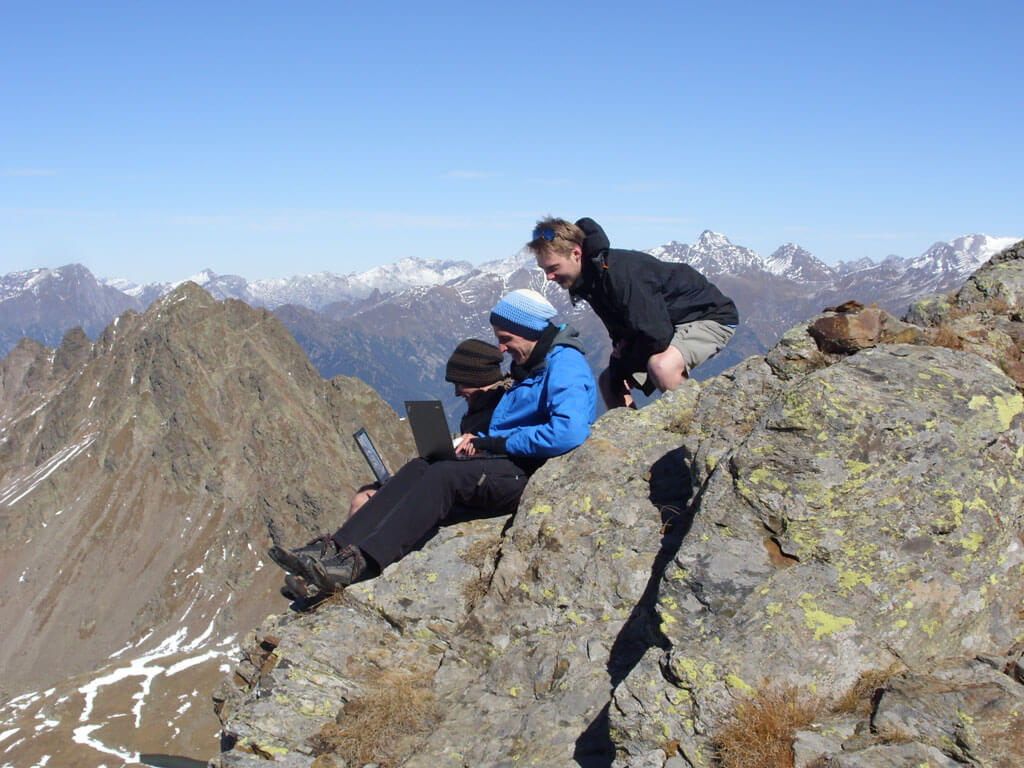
{"type": "Point", "coordinates": [670, 491]}
{"type": "Point", "coordinates": [594, 747]}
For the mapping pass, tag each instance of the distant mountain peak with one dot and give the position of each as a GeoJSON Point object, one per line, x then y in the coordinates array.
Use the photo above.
{"type": "Point", "coordinates": [411, 272]}
{"type": "Point", "coordinates": [711, 239]}
{"type": "Point", "coordinates": [36, 280]}
{"type": "Point", "coordinates": [982, 246]}
{"type": "Point", "coordinates": [200, 278]}
{"type": "Point", "coordinates": [713, 254]}
{"type": "Point", "coordinates": [789, 248]}
{"type": "Point", "coordinates": [795, 263]}
{"type": "Point", "coordinates": [962, 255]}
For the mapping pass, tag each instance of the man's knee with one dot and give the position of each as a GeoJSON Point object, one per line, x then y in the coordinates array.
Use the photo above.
{"type": "Point", "coordinates": [361, 497]}
{"type": "Point", "coordinates": [667, 369]}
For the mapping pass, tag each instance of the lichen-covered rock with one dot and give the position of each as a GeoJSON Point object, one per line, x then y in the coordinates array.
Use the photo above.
{"type": "Point", "coordinates": [1002, 278]}
{"type": "Point", "coordinates": [527, 651]}
{"type": "Point", "coordinates": [986, 316]}
{"type": "Point", "coordinates": [901, 755]}
{"type": "Point", "coordinates": [973, 713]}
{"type": "Point", "coordinates": [872, 514]}
{"type": "Point", "coordinates": [848, 524]}
{"type": "Point", "coordinates": [796, 353]}
{"type": "Point", "coordinates": [930, 309]}
{"type": "Point", "coordinates": [569, 608]}
{"type": "Point", "coordinates": [298, 670]}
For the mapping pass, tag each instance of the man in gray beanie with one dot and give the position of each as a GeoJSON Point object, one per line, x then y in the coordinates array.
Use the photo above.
{"type": "Point", "coordinates": [547, 412]}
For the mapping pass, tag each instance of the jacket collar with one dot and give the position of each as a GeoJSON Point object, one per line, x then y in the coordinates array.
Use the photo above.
{"type": "Point", "coordinates": [595, 251]}
{"type": "Point", "coordinates": [538, 358]}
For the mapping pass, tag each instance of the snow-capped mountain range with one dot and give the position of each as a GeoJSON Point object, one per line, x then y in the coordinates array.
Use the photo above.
{"type": "Point", "coordinates": [712, 254]}
{"type": "Point", "coordinates": [414, 309]}
{"type": "Point", "coordinates": [314, 291]}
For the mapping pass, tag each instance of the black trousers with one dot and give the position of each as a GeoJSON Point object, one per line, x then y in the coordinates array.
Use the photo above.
{"type": "Point", "coordinates": [421, 495]}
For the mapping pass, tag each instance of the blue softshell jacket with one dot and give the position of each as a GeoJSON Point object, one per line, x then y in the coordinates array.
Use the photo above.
{"type": "Point", "coordinates": [549, 412]}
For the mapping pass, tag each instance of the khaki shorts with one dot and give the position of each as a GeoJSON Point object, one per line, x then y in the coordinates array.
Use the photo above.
{"type": "Point", "coordinates": [697, 341]}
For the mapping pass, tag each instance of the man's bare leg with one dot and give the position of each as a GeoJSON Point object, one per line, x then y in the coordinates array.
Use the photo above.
{"type": "Point", "coordinates": [615, 394]}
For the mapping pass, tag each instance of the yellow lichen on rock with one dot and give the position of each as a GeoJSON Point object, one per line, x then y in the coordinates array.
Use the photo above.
{"type": "Point", "coordinates": [823, 624]}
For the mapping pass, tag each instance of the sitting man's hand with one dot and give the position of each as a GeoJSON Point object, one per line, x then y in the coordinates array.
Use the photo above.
{"type": "Point", "coordinates": [465, 446]}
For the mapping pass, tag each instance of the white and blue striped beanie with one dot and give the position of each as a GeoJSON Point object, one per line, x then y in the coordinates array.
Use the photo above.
{"type": "Point", "coordinates": [523, 312]}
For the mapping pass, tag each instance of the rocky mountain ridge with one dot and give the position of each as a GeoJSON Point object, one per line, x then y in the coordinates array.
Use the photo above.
{"type": "Point", "coordinates": [832, 529]}
{"type": "Point", "coordinates": [142, 478]}
{"type": "Point", "coordinates": [712, 254]}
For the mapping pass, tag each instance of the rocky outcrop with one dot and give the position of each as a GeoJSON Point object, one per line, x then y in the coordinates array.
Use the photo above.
{"type": "Point", "coordinates": [838, 527]}
{"type": "Point", "coordinates": [524, 626]}
{"type": "Point", "coordinates": [984, 316]}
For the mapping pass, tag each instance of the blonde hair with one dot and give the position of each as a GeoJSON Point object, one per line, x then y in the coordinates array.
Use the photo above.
{"type": "Point", "coordinates": [566, 236]}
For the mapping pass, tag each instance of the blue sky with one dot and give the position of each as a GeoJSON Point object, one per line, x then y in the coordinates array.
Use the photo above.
{"type": "Point", "coordinates": [150, 140]}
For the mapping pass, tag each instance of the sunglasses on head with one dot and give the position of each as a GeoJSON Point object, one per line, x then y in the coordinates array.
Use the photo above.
{"type": "Point", "coordinates": [546, 232]}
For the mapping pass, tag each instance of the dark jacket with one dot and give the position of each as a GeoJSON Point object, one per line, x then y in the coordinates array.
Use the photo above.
{"type": "Point", "coordinates": [479, 409]}
{"type": "Point", "coordinates": [641, 299]}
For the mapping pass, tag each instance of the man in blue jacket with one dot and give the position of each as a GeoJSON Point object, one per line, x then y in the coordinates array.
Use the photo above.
{"type": "Point", "coordinates": [664, 319]}
{"type": "Point", "coordinates": [547, 412]}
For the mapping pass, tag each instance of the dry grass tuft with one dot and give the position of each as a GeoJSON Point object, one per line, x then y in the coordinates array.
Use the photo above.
{"type": "Point", "coordinates": [987, 306]}
{"type": "Point", "coordinates": [994, 306]}
{"type": "Point", "coordinates": [761, 730]}
{"type": "Point", "coordinates": [479, 554]}
{"type": "Point", "coordinates": [680, 425]}
{"type": "Point", "coordinates": [335, 598]}
{"type": "Point", "coordinates": [944, 336]}
{"type": "Point", "coordinates": [383, 726]}
{"type": "Point", "coordinates": [860, 698]}
{"type": "Point", "coordinates": [816, 360]}
{"type": "Point", "coordinates": [1008, 741]}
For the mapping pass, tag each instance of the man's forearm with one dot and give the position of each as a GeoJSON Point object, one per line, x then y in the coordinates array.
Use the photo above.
{"type": "Point", "coordinates": [490, 444]}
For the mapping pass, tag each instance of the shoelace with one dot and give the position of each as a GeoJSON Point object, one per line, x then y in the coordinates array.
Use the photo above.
{"type": "Point", "coordinates": [325, 542]}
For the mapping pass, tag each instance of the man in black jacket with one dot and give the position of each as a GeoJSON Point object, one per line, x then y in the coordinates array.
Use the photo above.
{"type": "Point", "coordinates": [664, 319]}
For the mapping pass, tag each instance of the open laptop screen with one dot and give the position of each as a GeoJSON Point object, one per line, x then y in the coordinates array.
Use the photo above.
{"type": "Point", "coordinates": [429, 425]}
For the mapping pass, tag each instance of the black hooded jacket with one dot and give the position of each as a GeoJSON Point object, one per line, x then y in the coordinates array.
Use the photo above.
{"type": "Point", "coordinates": [640, 299]}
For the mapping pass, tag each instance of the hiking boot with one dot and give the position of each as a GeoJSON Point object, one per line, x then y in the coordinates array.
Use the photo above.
{"type": "Point", "coordinates": [334, 573]}
{"type": "Point", "coordinates": [290, 559]}
{"type": "Point", "coordinates": [295, 589]}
